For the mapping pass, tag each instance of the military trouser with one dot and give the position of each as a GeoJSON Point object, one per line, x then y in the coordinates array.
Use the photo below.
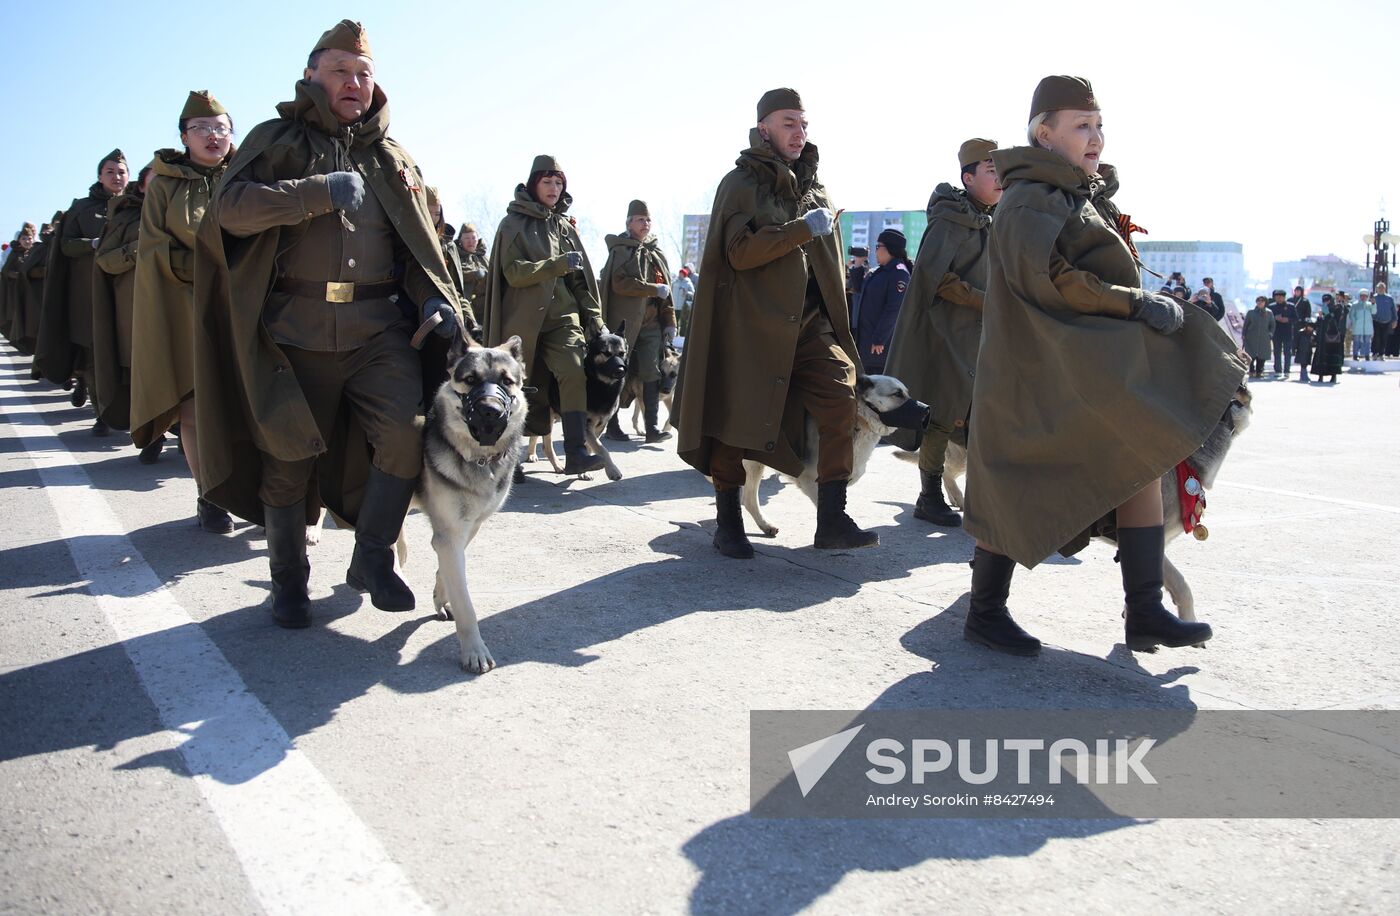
{"type": "Point", "coordinates": [645, 361]}
{"type": "Point", "coordinates": [823, 381]}
{"type": "Point", "coordinates": [933, 449]}
{"type": "Point", "coordinates": [562, 349]}
{"type": "Point", "coordinates": [382, 383]}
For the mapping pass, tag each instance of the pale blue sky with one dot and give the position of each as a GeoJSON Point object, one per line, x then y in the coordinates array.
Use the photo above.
{"type": "Point", "coordinates": [1228, 120]}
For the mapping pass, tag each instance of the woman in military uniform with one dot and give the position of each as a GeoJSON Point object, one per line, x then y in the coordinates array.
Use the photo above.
{"type": "Point", "coordinates": [543, 289]}
{"type": "Point", "coordinates": [1067, 447]}
{"type": "Point", "coordinates": [162, 360]}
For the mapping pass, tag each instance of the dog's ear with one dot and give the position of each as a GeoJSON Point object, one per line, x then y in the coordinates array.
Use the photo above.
{"type": "Point", "coordinates": [456, 349]}
{"type": "Point", "coordinates": [621, 328]}
{"type": "Point", "coordinates": [515, 347]}
{"type": "Point", "coordinates": [863, 384]}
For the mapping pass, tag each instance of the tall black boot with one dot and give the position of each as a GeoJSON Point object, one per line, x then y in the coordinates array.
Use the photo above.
{"type": "Point", "coordinates": [577, 458]}
{"type": "Point", "coordinates": [286, 556]}
{"type": "Point", "coordinates": [651, 408]}
{"type": "Point", "coordinates": [1149, 624]}
{"type": "Point", "coordinates": [614, 430]}
{"type": "Point", "coordinates": [376, 532]}
{"type": "Point", "coordinates": [988, 621]}
{"type": "Point", "coordinates": [835, 529]}
{"type": "Point", "coordinates": [932, 506]}
{"type": "Point", "coordinates": [730, 538]}
{"type": "Point", "coordinates": [79, 396]}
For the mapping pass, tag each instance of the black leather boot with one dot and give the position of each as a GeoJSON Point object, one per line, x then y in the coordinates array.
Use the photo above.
{"type": "Point", "coordinates": [79, 396]}
{"type": "Point", "coordinates": [376, 532]}
{"type": "Point", "coordinates": [835, 529]}
{"type": "Point", "coordinates": [988, 621]}
{"type": "Point", "coordinates": [614, 430]}
{"type": "Point", "coordinates": [730, 538]}
{"type": "Point", "coordinates": [100, 428]}
{"type": "Point", "coordinates": [932, 506]}
{"type": "Point", "coordinates": [286, 556]}
{"type": "Point", "coordinates": [1148, 623]}
{"type": "Point", "coordinates": [651, 409]}
{"type": "Point", "coordinates": [577, 458]}
{"type": "Point", "coordinates": [212, 518]}
{"type": "Point", "coordinates": [151, 453]}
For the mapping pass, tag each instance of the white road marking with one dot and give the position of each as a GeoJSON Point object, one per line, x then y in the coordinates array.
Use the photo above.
{"type": "Point", "coordinates": [302, 847]}
{"type": "Point", "coordinates": [1294, 494]}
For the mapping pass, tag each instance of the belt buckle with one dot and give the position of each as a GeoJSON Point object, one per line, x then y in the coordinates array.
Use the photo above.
{"type": "Point", "coordinates": [340, 292]}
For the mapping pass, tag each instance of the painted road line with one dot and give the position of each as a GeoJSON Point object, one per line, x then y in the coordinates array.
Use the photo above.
{"type": "Point", "coordinates": [1294, 494]}
{"type": "Point", "coordinates": [302, 847]}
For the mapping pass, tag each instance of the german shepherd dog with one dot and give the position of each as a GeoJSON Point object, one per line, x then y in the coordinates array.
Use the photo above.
{"type": "Point", "coordinates": [604, 369]}
{"type": "Point", "coordinates": [670, 371]}
{"type": "Point", "coordinates": [471, 443]}
{"type": "Point", "coordinates": [1205, 461]}
{"type": "Point", "coordinates": [876, 395]}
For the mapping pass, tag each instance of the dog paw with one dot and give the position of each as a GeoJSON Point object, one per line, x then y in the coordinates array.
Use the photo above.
{"type": "Point", "coordinates": [445, 610]}
{"type": "Point", "coordinates": [476, 658]}
{"type": "Point", "coordinates": [769, 531]}
{"type": "Point", "coordinates": [614, 475]}
{"type": "Point", "coordinates": [313, 536]}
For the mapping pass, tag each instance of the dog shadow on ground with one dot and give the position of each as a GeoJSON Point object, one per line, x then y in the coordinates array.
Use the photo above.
{"type": "Point", "coordinates": [780, 866]}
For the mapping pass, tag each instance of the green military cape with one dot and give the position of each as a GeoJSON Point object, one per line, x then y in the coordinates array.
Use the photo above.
{"type": "Point", "coordinates": [637, 260]}
{"type": "Point", "coordinates": [249, 401]}
{"type": "Point", "coordinates": [733, 385]}
{"type": "Point", "coordinates": [55, 354]}
{"type": "Point", "coordinates": [33, 277]}
{"type": "Point", "coordinates": [113, 281]}
{"type": "Point", "coordinates": [512, 311]}
{"type": "Point", "coordinates": [1073, 413]}
{"type": "Point", "coordinates": [10, 296]}
{"type": "Point", "coordinates": [934, 347]}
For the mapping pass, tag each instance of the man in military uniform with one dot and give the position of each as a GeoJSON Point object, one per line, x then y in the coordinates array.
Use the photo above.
{"type": "Point", "coordinates": [64, 350]}
{"type": "Point", "coordinates": [471, 250]}
{"type": "Point", "coordinates": [936, 339]}
{"type": "Point", "coordinates": [317, 261]}
{"type": "Point", "coordinates": [770, 342]}
{"type": "Point", "coordinates": [635, 288]}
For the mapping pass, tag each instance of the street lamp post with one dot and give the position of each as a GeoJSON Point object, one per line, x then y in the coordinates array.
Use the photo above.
{"type": "Point", "coordinates": [1380, 253]}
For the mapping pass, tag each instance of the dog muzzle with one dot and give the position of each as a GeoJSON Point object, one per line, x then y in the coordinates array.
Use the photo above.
{"type": "Point", "coordinates": [668, 383]}
{"type": "Point", "coordinates": [912, 414]}
{"type": "Point", "coordinates": [487, 411]}
{"type": "Point", "coordinates": [614, 368]}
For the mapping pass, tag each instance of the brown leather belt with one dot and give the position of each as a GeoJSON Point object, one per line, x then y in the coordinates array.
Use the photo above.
{"type": "Point", "coordinates": [335, 291]}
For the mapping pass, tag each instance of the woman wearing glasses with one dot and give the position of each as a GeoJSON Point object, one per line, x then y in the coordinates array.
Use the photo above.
{"type": "Point", "coordinates": [162, 359]}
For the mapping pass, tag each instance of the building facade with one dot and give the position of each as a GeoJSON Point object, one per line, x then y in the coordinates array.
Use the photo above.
{"type": "Point", "coordinates": [1318, 274]}
{"type": "Point", "coordinates": [1223, 262]}
{"type": "Point", "coordinates": [859, 229]}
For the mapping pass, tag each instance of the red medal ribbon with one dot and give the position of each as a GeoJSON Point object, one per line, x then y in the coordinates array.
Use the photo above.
{"type": "Point", "coordinates": [1192, 507]}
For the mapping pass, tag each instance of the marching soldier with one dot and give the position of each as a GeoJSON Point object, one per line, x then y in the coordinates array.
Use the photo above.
{"type": "Point", "coordinates": [636, 289]}
{"type": "Point", "coordinates": [770, 341]}
{"type": "Point", "coordinates": [317, 261]}
{"type": "Point", "coordinates": [64, 350]}
{"type": "Point", "coordinates": [934, 350]}
{"type": "Point", "coordinates": [113, 295]}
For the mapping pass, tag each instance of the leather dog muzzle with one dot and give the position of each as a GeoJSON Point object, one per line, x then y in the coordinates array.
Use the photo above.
{"type": "Point", "coordinates": [488, 410]}
{"type": "Point", "coordinates": [912, 414]}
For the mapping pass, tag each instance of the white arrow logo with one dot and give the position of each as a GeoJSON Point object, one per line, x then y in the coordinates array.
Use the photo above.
{"type": "Point", "coordinates": [811, 761]}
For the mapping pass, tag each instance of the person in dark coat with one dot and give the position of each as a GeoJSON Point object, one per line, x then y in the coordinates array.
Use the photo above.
{"type": "Point", "coordinates": [1285, 317]}
{"type": "Point", "coordinates": [1329, 340]}
{"type": "Point", "coordinates": [1217, 301]}
{"type": "Point", "coordinates": [856, 272]}
{"type": "Point", "coordinates": [881, 298]}
{"type": "Point", "coordinates": [1303, 348]}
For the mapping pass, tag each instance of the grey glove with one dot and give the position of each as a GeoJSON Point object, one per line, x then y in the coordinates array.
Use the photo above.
{"type": "Point", "coordinates": [819, 220]}
{"type": "Point", "coordinates": [1160, 313]}
{"type": "Point", "coordinates": [575, 259]}
{"type": "Point", "coordinates": [662, 291]}
{"type": "Point", "coordinates": [669, 334]}
{"type": "Point", "coordinates": [347, 190]}
{"type": "Point", "coordinates": [439, 305]}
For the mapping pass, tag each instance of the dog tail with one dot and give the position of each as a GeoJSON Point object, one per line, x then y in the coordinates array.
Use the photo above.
{"type": "Point", "coordinates": [902, 455]}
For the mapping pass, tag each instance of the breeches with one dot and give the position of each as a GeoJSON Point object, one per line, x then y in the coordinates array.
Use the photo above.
{"type": "Point", "coordinates": [381, 383]}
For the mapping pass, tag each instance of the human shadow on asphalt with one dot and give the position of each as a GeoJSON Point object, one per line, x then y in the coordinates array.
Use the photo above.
{"type": "Point", "coordinates": [775, 866]}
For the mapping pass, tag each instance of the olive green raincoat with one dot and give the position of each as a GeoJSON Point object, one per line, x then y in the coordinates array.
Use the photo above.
{"type": "Point", "coordinates": [65, 331]}
{"type": "Point", "coordinates": [113, 289]}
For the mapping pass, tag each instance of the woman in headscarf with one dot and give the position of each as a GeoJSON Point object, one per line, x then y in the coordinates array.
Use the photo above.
{"type": "Point", "coordinates": [543, 289]}
{"type": "Point", "coordinates": [1089, 388]}
{"type": "Point", "coordinates": [162, 362]}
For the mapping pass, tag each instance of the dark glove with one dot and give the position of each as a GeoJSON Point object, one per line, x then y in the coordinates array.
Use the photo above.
{"type": "Point", "coordinates": [448, 327]}
{"type": "Point", "coordinates": [575, 259]}
{"type": "Point", "coordinates": [347, 190]}
{"type": "Point", "coordinates": [474, 331]}
{"type": "Point", "coordinates": [479, 273]}
{"type": "Point", "coordinates": [1160, 313]}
